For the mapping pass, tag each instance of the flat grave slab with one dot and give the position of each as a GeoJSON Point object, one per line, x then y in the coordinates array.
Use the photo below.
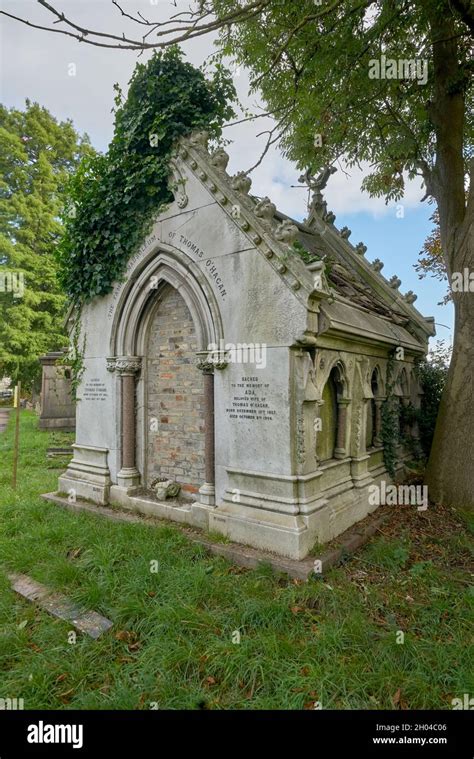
{"type": "Point", "coordinates": [88, 622]}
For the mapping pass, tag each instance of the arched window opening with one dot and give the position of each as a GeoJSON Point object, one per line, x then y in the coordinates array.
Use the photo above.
{"type": "Point", "coordinates": [374, 420]}
{"type": "Point", "coordinates": [331, 439]}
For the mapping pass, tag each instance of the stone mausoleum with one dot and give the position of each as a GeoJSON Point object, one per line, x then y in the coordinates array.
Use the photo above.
{"type": "Point", "coordinates": [243, 357]}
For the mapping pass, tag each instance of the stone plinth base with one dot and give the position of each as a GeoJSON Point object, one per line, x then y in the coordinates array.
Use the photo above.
{"type": "Point", "coordinates": [65, 424]}
{"type": "Point", "coordinates": [87, 475]}
{"type": "Point", "coordinates": [307, 509]}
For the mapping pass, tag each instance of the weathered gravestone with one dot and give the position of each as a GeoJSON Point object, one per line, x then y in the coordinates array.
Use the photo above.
{"type": "Point", "coordinates": [57, 407]}
{"type": "Point", "coordinates": [236, 362]}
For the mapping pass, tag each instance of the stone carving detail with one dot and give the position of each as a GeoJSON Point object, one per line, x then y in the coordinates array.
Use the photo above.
{"type": "Point", "coordinates": [265, 209]}
{"type": "Point", "coordinates": [128, 365]}
{"type": "Point", "coordinates": [318, 205]}
{"type": "Point", "coordinates": [377, 265]}
{"type": "Point", "coordinates": [165, 488]}
{"type": "Point", "coordinates": [395, 282]}
{"type": "Point", "coordinates": [410, 297]}
{"type": "Point", "coordinates": [111, 363]}
{"type": "Point", "coordinates": [220, 159]}
{"type": "Point", "coordinates": [345, 232]}
{"type": "Point", "coordinates": [330, 217]}
{"type": "Point", "coordinates": [178, 185]}
{"type": "Point", "coordinates": [359, 429]}
{"type": "Point", "coordinates": [241, 183]}
{"type": "Point", "coordinates": [286, 232]}
{"type": "Point", "coordinates": [361, 249]}
{"type": "Point", "coordinates": [200, 139]}
{"type": "Point", "coordinates": [306, 339]}
{"type": "Point", "coordinates": [207, 364]}
{"type": "Point", "coordinates": [300, 446]}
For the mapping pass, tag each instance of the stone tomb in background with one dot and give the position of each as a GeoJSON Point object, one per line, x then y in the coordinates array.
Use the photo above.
{"type": "Point", "coordinates": [57, 407]}
{"type": "Point", "coordinates": [245, 357]}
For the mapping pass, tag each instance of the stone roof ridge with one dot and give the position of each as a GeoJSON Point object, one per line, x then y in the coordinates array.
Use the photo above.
{"type": "Point", "coordinates": [257, 219]}
{"type": "Point", "coordinates": [317, 224]}
{"type": "Point", "coordinates": [320, 219]}
{"type": "Point", "coordinates": [274, 232]}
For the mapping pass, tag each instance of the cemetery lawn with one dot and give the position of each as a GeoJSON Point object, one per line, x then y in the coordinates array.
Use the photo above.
{"type": "Point", "coordinates": [332, 640]}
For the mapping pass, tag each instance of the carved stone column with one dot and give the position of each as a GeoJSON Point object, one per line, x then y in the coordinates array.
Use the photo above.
{"type": "Point", "coordinates": [207, 492]}
{"type": "Point", "coordinates": [128, 368]}
{"type": "Point", "coordinates": [340, 452]}
{"type": "Point", "coordinates": [317, 428]}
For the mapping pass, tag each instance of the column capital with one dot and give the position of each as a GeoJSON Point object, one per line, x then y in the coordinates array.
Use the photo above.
{"type": "Point", "coordinates": [344, 401]}
{"type": "Point", "coordinates": [205, 366]}
{"type": "Point", "coordinates": [207, 362]}
{"type": "Point", "coordinates": [128, 365]}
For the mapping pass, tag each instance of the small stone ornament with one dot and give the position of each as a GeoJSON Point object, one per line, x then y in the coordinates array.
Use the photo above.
{"type": "Point", "coordinates": [165, 488]}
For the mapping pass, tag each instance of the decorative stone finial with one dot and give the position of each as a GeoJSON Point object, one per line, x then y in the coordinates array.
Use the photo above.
{"type": "Point", "coordinates": [330, 217]}
{"type": "Point", "coordinates": [395, 282]}
{"type": "Point", "coordinates": [317, 270]}
{"type": "Point", "coordinates": [286, 232]}
{"type": "Point", "coordinates": [345, 232]}
{"type": "Point", "coordinates": [200, 139]}
{"type": "Point", "coordinates": [317, 206]}
{"type": "Point", "coordinates": [241, 182]}
{"type": "Point", "coordinates": [265, 209]}
{"type": "Point", "coordinates": [361, 249]}
{"type": "Point", "coordinates": [220, 159]}
{"type": "Point", "coordinates": [410, 297]}
{"type": "Point", "coordinates": [377, 265]}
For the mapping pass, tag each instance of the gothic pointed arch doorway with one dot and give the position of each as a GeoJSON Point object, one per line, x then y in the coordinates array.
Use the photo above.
{"type": "Point", "coordinates": [174, 395]}
{"type": "Point", "coordinates": [164, 324]}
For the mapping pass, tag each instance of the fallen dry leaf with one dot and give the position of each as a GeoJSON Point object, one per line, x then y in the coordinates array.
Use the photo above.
{"type": "Point", "coordinates": [66, 696]}
{"type": "Point", "coordinates": [126, 635]}
{"type": "Point", "coordinates": [74, 553]}
{"type": "Point", "coordinates": [126, 659]}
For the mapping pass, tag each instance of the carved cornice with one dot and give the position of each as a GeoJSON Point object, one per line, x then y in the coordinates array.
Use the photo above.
{"type": "Point", "coordinates": [255, 220]}
{"type": "Point", "coordinates": [273, 238]}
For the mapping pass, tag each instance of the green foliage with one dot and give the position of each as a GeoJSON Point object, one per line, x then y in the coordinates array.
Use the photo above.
{"type": "Point", "coordinates": [390, 428]}
{"type": "Point", "coordinates": [75, 357]}
{"type": "Point", "coordinates": [430, 259]}
{"type": "Point", "coordinates": [304, 254]}
{"type": "Point", "coordinates": [113, 198]}
{"type": "Point", "coordinates": [432, 374]}
{"type": "Point", "coordinates": [311, 63]}
{"type": "Point", "coordinates": [37, 154]}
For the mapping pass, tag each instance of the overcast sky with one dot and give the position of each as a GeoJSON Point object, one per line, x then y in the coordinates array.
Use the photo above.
{"type": "Point", "coordinates": [37, 65]}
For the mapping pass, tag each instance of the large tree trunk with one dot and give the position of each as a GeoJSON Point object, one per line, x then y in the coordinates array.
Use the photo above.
{"type": "Point", "coordinates": [450, 471]}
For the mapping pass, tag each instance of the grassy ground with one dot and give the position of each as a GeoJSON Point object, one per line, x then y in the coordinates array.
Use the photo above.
{"type": "Point", "coordinates": [173, 644]}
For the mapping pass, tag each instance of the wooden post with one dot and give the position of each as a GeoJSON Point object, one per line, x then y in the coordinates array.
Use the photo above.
{"type": "Point", "coordinates": [17, 434]}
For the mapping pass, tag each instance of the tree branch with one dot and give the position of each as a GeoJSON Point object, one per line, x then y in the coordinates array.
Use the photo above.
{"type": "Point", "coordinates": [170, 32]}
